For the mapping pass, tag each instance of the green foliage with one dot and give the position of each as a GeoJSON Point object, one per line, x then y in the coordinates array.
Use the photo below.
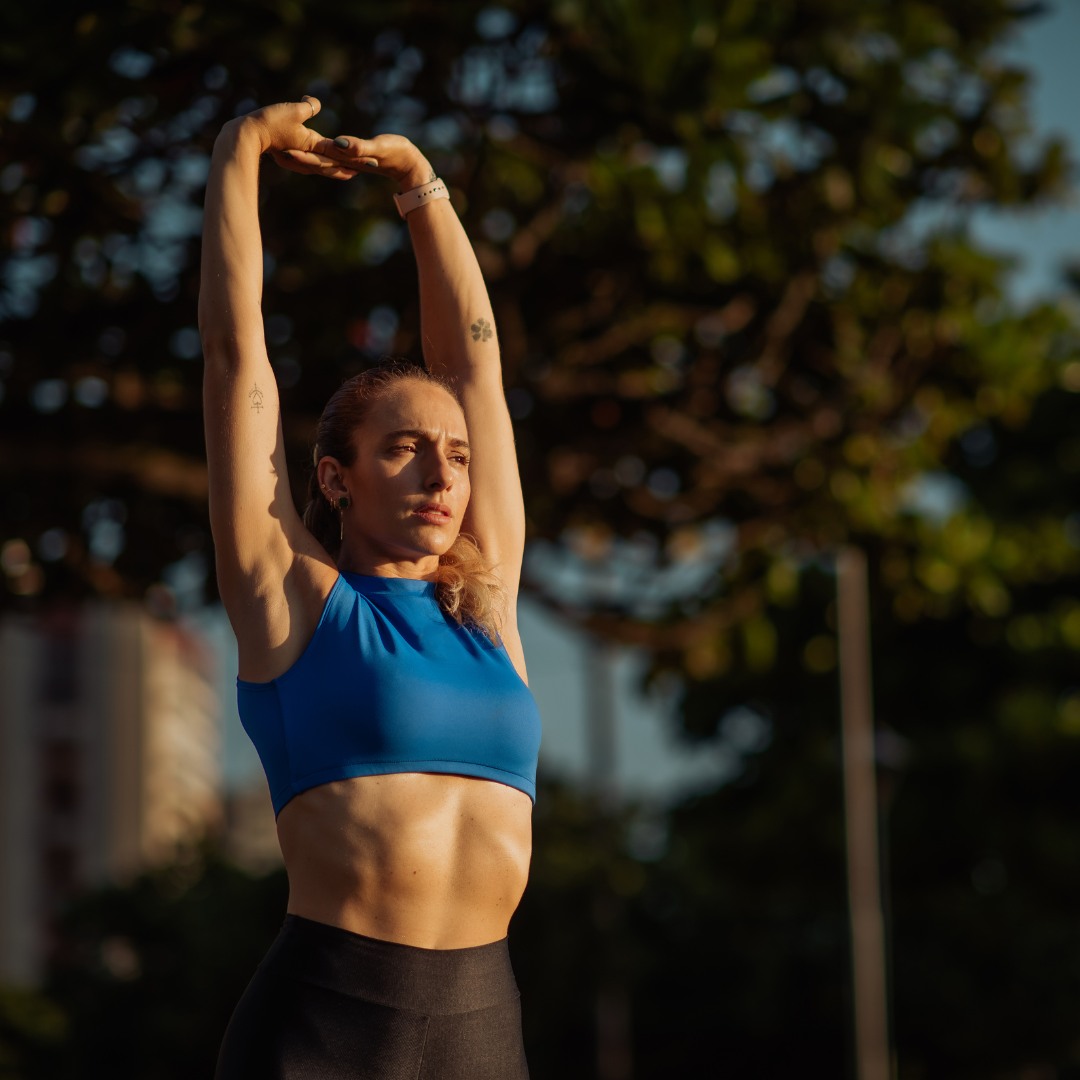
{"type": "Point", "coordinates": [977, 749]}
{"type": "Point", "coordinates": [148, 974]}
{"type": "Point", "coordinates": [727, 245]}
{"type": "Point", "coordinates": [32, 1028]}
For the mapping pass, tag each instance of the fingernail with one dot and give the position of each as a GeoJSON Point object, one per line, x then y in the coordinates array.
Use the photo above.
{"type": "Point", "coordinates": [342, 142]}
{"type": "Point", "coordinates": [373, 162]}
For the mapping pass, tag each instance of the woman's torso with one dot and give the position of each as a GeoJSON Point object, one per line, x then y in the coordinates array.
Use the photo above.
{"type": "Point", "coordinates": [436, 860]}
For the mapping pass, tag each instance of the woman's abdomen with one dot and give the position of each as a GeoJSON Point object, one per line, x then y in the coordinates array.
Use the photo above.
{"type": "Point", "coordinates": [439, 862]}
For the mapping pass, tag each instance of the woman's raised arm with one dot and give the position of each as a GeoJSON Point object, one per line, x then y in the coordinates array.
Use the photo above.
{"type": "Point", "coordinates": [258, 534]}
{"type": "Point", "coordinates": [460, 343]}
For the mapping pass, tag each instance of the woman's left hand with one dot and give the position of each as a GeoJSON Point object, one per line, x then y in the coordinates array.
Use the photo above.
{"type": "Point", "coordinates": [344, 157]}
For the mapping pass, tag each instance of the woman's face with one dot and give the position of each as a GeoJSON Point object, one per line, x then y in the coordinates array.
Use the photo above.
{"type": "Point", "coordinates": [409, 483]}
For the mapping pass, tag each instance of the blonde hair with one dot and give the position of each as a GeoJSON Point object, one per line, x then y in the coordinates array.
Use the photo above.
{"type": "Point", "coordinates": [465, 586]}
{"type": "Point", "coordinates": [467, 590]}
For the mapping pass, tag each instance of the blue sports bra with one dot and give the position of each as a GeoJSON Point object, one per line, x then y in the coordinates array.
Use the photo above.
{"type": "Point", "coordinates": [389, 683]}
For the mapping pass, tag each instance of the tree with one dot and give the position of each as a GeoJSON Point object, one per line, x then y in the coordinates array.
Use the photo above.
{"type": "Point", "coordinates": [697, 225]}
{"type": "Point", "coordinates": [977, 746]}
{"type": "Point", "coordinates": [32, 1031]}
{"type": "Point", "coordinates": [147, 973]}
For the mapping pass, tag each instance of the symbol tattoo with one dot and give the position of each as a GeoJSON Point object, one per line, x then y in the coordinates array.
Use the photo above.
{"type": "Point", "coordinates": [256, 396]}
{"type": "Point", "coordinates": [481, 330]}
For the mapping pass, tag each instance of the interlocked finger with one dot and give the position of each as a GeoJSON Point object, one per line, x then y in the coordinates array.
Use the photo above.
{"type": "Point", "coordinates": [302, 161]}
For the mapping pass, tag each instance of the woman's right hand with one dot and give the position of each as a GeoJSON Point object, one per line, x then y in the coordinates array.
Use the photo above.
{"type": "Point", "coordinates": [282, 131]}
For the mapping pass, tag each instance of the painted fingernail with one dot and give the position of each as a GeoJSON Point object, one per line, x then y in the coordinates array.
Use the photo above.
{"type": "Point", "coordinates": [342, 142]}
{"type": "Point", "coordinates": [373, 162]}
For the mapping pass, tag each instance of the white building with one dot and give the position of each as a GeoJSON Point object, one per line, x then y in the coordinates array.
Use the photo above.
{"type": "Point", "coordinates": [109, 760]}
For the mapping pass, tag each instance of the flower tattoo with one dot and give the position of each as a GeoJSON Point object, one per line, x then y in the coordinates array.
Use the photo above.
{"type": "Point", "coordinates": [481, 330]}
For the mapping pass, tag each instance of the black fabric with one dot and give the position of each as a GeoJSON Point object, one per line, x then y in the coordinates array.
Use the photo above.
{"type": "Point", "coordinates": [327, 1004]}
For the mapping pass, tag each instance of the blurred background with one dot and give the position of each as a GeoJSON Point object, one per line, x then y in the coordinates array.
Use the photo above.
{"type": "Point", "coordinates": [789, 300]}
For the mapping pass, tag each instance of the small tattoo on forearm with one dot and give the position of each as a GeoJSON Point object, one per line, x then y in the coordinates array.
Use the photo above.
{"type": "Point", "coordinates": [256, 396]}
{"type": "Point", "coordinates": [433, 177]}
{"type": "Point", "coordinates": [481, 330]}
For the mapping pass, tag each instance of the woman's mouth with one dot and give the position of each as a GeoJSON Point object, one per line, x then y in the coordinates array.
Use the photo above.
{"type": "Point", "coordinates": [434, 513]}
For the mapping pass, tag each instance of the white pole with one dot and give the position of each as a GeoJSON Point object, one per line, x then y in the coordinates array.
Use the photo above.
{"type": "Point", "coordinates": [860, 804]}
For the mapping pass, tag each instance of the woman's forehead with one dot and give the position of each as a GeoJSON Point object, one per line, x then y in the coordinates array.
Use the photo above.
{"type": "Point", "coordinates": [420, 406]}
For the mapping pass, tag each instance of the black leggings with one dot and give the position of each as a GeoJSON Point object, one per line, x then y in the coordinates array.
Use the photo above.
{"type": "Point", "coordinates": [327, 1004]}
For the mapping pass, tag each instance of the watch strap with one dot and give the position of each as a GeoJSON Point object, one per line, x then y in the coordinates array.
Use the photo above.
{"type": "Point", "coordinates": [418, 196]}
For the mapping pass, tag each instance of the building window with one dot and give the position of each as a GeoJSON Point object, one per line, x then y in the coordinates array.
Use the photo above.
{"type": "Point", "coordinates": [60, 663]}
{"type": "Point", "coordinates": [61, 870]}
{"type": "Point", "coordinates": [60, 776]}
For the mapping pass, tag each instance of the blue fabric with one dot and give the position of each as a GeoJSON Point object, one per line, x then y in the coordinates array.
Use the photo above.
{"type": "Point", "coordinates": [389, 683]}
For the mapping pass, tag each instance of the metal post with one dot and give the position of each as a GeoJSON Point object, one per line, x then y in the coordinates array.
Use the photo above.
{"type": "Point", "coordinates": [860, 803]}
{"type": "Point", "coordinates": [614, 1056]}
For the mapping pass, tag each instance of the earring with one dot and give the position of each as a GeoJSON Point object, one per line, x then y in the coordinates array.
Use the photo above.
{"type": "Point", "coordinates": [343, 505]}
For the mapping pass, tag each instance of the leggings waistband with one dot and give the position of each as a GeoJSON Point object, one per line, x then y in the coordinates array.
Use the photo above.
{"type": "Point", "coordinates": [431, 981]}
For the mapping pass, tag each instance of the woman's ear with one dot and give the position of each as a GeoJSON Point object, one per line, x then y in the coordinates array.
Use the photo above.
{"type": "Point", "coordinates": [329, 472]}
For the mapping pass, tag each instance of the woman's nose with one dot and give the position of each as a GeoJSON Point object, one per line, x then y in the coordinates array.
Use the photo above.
{"type": "Point", "coordinates": [441, 475]}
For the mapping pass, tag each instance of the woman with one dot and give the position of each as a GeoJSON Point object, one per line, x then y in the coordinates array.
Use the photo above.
{"type": "Point", "coordinates": [381, 674]}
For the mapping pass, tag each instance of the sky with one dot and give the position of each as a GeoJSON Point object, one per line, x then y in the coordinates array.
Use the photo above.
{"type": "Point", "coordinates": [1044, 241]}
{"type": "Point", "coordinates": [651, 764]}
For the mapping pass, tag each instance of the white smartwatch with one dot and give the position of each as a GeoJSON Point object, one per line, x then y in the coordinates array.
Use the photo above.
{"type": "Point", "coordinates": [419, 196]}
